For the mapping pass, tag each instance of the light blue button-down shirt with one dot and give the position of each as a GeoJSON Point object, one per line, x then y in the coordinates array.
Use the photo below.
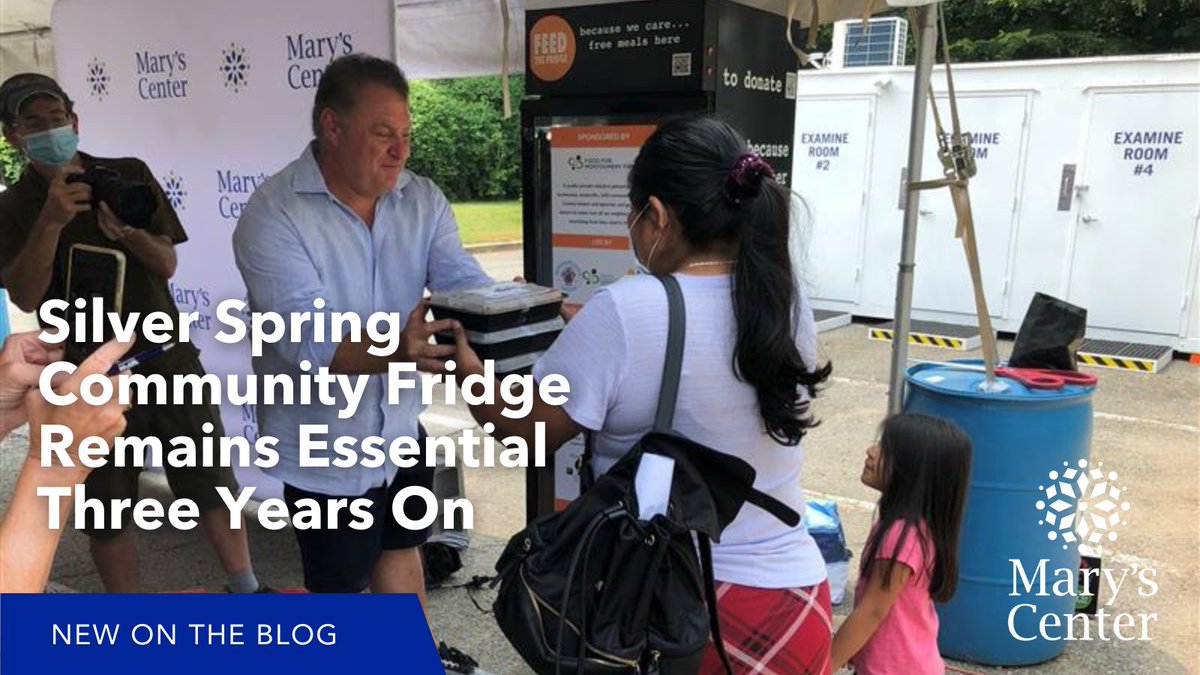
{"type": "Point", "coordinates": [296, 242]}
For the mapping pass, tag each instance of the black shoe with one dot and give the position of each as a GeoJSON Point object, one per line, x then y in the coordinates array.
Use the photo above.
{"type": "Point", "coordinates": [456, 662]}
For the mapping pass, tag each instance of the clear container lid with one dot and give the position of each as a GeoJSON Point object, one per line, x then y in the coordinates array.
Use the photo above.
{"type": "Point", "coordinates": [501, 298]}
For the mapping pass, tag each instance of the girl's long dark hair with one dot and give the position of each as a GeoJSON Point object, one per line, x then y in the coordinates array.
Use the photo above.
{"type": "Point", "coordinates": [925, 462]}
{"type": "Point", "coordinates": [692, 165]}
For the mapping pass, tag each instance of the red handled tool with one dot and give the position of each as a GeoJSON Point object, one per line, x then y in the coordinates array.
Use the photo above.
{"type": "Point", "coordinates": [1042, 378]}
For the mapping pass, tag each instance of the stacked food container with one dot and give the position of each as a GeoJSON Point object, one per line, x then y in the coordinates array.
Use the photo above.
{"type": "Point", "coordinates": [511, 322]}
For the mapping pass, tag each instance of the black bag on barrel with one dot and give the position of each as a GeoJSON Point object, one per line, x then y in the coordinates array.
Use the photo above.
{"type": "Point", "coordinates": [596, 590]}
{"type": "Point", "coordinates": [1050, 335]}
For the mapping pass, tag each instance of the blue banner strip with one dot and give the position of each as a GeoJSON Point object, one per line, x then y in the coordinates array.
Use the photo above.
{"type": "Point", "coordinates": [271, 634]}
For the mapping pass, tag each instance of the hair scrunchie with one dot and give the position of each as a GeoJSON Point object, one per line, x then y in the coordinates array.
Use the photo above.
{"type": "Point", "coordinates": [746, 177]}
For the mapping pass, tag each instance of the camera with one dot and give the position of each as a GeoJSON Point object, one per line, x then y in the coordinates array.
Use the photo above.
{"type": "Point", "coordinates": [132, 201]}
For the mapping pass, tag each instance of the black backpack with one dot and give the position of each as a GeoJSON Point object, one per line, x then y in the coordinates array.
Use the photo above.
{"type": "Point", "coordinates": [633, 592]}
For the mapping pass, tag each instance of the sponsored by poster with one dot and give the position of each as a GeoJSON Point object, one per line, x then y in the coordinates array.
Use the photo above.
{"type": "Point", "coordinates": [589, 170]}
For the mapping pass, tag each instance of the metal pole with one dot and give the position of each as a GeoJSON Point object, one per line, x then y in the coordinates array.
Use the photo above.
{"type": "Point", "coordinates": [926, 20]}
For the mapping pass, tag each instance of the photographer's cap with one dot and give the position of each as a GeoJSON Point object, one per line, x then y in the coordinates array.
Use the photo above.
{"type": "Point", "coordinates": [18, 89]}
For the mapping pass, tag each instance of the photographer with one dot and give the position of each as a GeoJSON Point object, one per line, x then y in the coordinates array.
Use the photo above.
{"type": "Point", "coordinates": [66, 197]}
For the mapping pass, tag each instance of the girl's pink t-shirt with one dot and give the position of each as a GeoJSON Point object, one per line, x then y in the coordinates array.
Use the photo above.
{"type": "Point", "coordinates": [906, 642]}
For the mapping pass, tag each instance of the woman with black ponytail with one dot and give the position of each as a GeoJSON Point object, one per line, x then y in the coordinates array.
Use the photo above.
{"type": "Point", "coordinates": [706, 210]}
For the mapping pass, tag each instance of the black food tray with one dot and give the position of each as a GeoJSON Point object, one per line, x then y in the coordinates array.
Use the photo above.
{"type": "Point", "coordinates": [488, 323]}
{"type": "Point", "coordinates": [503, 350]}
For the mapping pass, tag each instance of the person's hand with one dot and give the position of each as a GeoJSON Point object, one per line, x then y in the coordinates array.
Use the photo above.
{"type": "Point", "coordinates": [417, 348]}
{"type": "Point", "coordinates": [105, 421]}
{"type": "Point", "coordinates": [466, 360]}
{"type": "Point", "coordinates": [111, 225]}
{"type": "Point", "coordinates": [21, 363]}
{"type": "Point", "coordinates": [65, 200]}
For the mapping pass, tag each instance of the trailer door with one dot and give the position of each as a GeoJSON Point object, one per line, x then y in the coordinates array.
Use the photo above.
{"type": "Point", "coordinates": [1136, 209]}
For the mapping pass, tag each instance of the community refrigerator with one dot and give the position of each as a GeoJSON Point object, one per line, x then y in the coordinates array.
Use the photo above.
{"type": "Point", "coordinates": [598, 80]}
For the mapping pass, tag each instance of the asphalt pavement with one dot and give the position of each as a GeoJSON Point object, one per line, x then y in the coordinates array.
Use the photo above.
{"type": "Point", "coordinates": [1145, 426]}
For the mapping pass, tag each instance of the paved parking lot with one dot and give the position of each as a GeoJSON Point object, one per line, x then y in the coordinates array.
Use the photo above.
{"type": "Point", "coordinates": [1147, 427]}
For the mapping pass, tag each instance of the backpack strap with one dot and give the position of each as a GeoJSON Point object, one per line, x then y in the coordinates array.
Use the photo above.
{"type": "Point", "coordinates": [774, 507]}
{"type": "Point", "coordinates": [583, 465]}
{"type": "Point", "coordinates": [710, 598]}
{"type": "Point", "coordinates": [668, 391]}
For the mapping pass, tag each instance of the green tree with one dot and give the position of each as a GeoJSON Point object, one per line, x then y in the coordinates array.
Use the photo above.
{"type": "Point", "coordinates": [1007, 30]}
{"type": "Point", "coordinates": [1012, 30]}
{"type": "Point", "coordinates": [461, 141]}
{"type": "Point", "coordinates": [12, 162]}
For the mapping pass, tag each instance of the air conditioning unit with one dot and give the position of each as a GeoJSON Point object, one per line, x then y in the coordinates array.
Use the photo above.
{"type": "Point", "coordinates": [881, 42]}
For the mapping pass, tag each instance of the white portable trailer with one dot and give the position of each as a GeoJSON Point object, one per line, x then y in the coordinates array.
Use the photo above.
{"type": "Point", "coordinates": [1088, 189]}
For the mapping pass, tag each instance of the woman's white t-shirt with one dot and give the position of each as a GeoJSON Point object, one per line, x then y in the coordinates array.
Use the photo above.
{"type": "Point", "coordinates": [612, 355]}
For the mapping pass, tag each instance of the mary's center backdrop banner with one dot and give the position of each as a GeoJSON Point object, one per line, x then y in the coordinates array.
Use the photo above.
{"type": "Point", "coordinates": [215, 97]}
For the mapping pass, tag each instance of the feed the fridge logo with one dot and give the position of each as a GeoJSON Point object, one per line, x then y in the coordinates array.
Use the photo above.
{"type": "Point", "coordinates": [1082, 505]}
{"type": "Point", "coordinates": [1095, 512]}
{"type": "Point", "coordinates": [551, 48]}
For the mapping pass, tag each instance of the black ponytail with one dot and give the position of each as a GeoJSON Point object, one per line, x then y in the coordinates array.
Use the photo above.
{"type": "Point", "coordinates": [764, 302]}
{"type": "Point", "coordinates": [720, 193]}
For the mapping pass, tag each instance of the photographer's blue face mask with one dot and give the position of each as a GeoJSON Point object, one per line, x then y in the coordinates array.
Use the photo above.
{"type": "Point", "coordinates": [54, 147]}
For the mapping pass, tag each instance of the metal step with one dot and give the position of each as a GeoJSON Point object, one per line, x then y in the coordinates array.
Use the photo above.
{"type": "Point", "coordinates": [828, 320]}
{"type": "Point", "coordinates": [1124, 355]}
{"type": "Point", "coordinates": [931, 334]}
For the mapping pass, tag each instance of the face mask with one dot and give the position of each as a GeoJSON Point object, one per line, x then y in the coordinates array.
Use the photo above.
{"type": "Point", "coordinates": [643, 268]}
{"type": "Point", "coordinates": [55, 147]}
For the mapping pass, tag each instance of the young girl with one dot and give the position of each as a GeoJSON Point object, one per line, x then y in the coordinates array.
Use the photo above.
{"type": "Point", "coordinates": [920, 465]}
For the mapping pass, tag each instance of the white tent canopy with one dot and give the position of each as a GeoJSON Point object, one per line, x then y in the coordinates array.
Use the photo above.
{"type": "Point", "coordinates": [434, 38]}
{"type": "Point", "coordinates": [25, 37]}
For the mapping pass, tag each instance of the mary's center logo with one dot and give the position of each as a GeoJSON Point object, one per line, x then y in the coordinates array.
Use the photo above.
{"type": "Point", "coordinates": [97, 79]}
{"type": "Point", "coordinates": [1082, 504]}
{"type": "Point", "coordinates": [235, 70]}
{"type": "Point", "coordinates": [173, 187]}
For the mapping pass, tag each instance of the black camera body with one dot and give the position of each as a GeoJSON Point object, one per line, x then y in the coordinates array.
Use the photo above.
{"type": "Point", "coordinates": [132, 201]}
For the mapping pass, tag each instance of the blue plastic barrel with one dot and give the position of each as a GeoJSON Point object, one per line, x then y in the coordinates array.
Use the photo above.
{"type": "Point", "coordinates": [4, 327]}
{"type": "Point", "coordinates": [1019, 437]}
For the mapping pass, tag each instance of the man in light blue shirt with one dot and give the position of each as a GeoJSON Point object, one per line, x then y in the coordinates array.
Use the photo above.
{"type": "Point", "coordinates": [345, 222]}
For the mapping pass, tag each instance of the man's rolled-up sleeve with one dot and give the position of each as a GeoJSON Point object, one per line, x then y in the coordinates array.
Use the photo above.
{"type": "Point", "coordinates": [450, 265]}
{"type": "Point", "coordinates": [280, 277]}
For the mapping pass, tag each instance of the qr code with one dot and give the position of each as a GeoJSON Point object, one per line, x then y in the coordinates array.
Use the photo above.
{"type": "Point", "coordinates": [681, 64]}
